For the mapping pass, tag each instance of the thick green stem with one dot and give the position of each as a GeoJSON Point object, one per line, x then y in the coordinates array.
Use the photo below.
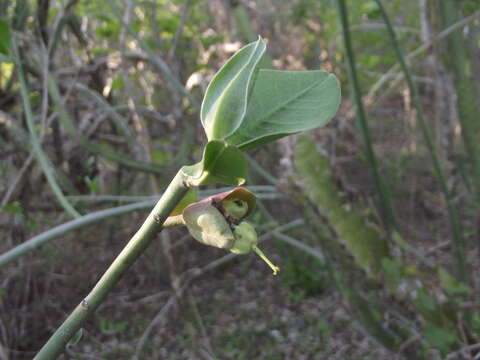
{"type": "Point", "coordinates": [458, 243]}
{"type": "Point", "coordinates": [386, 207]}
{"type": "Point", "coordinates": [135, 247]}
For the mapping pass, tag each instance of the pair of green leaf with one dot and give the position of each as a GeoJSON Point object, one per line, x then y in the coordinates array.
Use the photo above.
{"type": "Point", "coordinates": [248, 107]}
{"type": "Point", "coordinates": [245, 107]}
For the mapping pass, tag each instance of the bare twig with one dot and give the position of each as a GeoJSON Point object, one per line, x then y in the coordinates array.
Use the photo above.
{"type": "Point", "coordinates": [201, 325]}
{"type": "Point", "coordinates": [462, 351]}
{"type": "Point", "coordinates": [179, 31]}
{"type": "Point", "coordinates": [11, 189]}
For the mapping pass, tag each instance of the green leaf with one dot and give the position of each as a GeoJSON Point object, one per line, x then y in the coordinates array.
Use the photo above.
{"type": "Point", "coordinates": [392, 272]}
{"type": "Point", "coordinates": [4, 38]}
{"type": "Point", "coordinates": [221, 164]}
{"type": "Point", "coordinates": [441, 338]}
{"type": "Point", "coordinates": [13, 208]}
{"type": "Point", "coordinates": [286, 102]}
{"type": "Point", "coordinates": [425, 301]}
{"type": "Point", "coordinates": [450, 285]}
{"type": "Point", "coordinates": [225, 102]}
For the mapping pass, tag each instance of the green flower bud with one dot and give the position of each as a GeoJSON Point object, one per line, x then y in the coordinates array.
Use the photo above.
{"type": "Point", "coordinates": [236, 208]}
{"type": "Point", "coordinates": [207, 225]}
{"type": "Point", "coordinates": [210, 222]}
{"type": "Point", "coordinates": [246, 240]}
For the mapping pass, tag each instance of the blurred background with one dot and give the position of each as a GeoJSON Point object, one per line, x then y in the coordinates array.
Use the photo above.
{"type": "Point", "coordinates": [374, 219]}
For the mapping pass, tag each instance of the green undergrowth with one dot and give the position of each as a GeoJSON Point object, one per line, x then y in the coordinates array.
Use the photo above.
{"type": "Point", "coordinates": [372, 280]}
{"type": "Point", "coordinates": [302, 276]}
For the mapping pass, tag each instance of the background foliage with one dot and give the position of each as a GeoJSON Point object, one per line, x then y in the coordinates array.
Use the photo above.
{"type": "Point", "coordinates": [375, 224]}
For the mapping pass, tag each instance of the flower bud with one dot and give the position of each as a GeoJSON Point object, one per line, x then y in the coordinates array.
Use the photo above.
{"type": "Point", "coordinates": [210, 221]}
{"type": "Point", "coordinates": [207, 225]}
{"type": "Point", "coordinates": [235, 204]}
{"type": "Point", "coordinates": [235, 208]}
{"type": "Point", "coordinates": [246, 240]}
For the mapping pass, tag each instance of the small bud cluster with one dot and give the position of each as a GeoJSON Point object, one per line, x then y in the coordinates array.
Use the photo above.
{"type": "Point", "coordinates": [218, 221]}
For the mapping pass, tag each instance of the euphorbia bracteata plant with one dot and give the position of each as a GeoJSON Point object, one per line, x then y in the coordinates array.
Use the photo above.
{"type": "Point", "coordinates": [243, 108]}
{"type": "Point", "coordinates": [218, 221]}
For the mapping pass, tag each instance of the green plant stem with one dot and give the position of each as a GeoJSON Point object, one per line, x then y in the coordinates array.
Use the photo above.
{"type": "Point", "coordinates": [174, 221]}
{"type": "Point", "coordinates": [92, 147]}
{"type": "Point", "coordinates": [140, 203]}
{"type": "Point", "coordinates": [260, 170]}
{"type": "Point", "coordinates": [386, 207]}
{"type": "Point", "coordinates": [300, 245]}
{"type": "Point", "coordinates": [260, 253]}
{"type": "Point", "coordinates": [120, 123]}
{"type": "Point", "coordinates": [265, 192]}
{"type": "Point", "coordinates": [422, 49]}
{"type": "Point", "coordinates": [42, 158]}
{"type": "Point", "coordinates": [154, 58]}
{"type": "Point", "coordinates": [56, 232]}
{"type": "Point", "coordinates": [458, 240]}
{"type": "Point", "coordinates": [134, 248]}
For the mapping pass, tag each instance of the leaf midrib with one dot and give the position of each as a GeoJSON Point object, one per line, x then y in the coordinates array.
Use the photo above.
{"type": "Point", "coordinates": [280, 106]}
{"type": "Point", "coordinates": [227, 88]}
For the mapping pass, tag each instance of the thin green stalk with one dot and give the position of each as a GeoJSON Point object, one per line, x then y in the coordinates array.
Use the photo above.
{"type": "Point", "coordinates": [154, 58]}
{"type": "Point", "coordinates": [282, 228]}
{"type": "Point", "coordinates": [42, 158]}
{"type": "Point", "coordinates": [119, 121]}
{"type": "Point", "coordinates": [422, 49]}
{"type": "Point", "coordinates": [386, 207]}
{"type": "Point", "coordinates": [261, 171]}
{"type": "Point", "coordinates": [265, 192]}
{"type": "Point", "coordinates": [94, 148]}
{"type": "Point", "coordinates": [140, 202]}
{"type": "Point", "coordinates": [300, 245]}
{"type": "Point", "coordinates": [458, 240]}
{"type": "Point", "coordinates": [178, 33]}
{"type": "Point", "coordinates": [134, 248]}
{"type": "Point", "coordinates": [56, 232]}
{"type": "Point", "coordinates": [176, 220]}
